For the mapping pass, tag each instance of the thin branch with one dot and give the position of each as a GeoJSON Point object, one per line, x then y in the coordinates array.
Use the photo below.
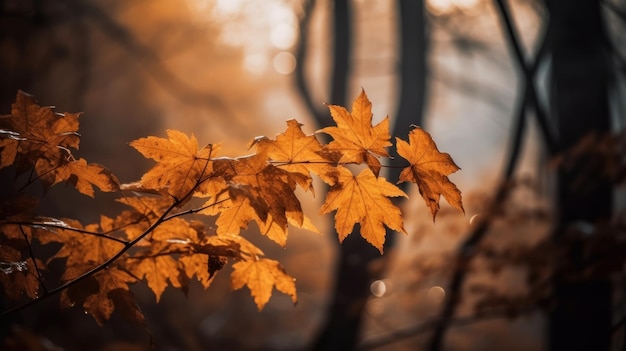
{"type": "Point", "coordinates": [165, 216]}
{"type": "Point", "coordinates": [32, 257]}
{"type": "Point", "coordinates": [76, 230]}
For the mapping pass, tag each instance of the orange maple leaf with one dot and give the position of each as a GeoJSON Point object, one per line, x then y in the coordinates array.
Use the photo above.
{"type": "Point", "coordinates": [157, 268]}
{"type": "Point", "coordinates": [35, 136]}
{"type": "Point", "coordinates": [257, 191]}
{"type": "Point", "coordinates": [180, 167]}
{"type": "Point", "coordinates": [355, 137]}
{"type": "Point", "coordinates": [429, 169]}
{"type": "Point", "coordinates": [84, 176]}
{"type": "Point", "coordinates": [32, 132]}
{"type": "Point", "coordinates": [364, 199]}
{"type": "Point", "coordinates": [297, 153]}
{"type": "Point", "coordinates": [261, 276]}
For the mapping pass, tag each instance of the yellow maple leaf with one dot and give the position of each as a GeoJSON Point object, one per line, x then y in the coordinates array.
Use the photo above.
{"type": "Point", "coordinates": [355, 137]}
{"type": "Point", "coordinates": [297, 153]}
{"type": "Point", "coordinates": [261, 276]}
{"type": "Point", "coordinates": [364, 199]}
{"type": "Point", "coordinates": [429, 169]}
{"type": "Point", "coordinates": [180, 167]}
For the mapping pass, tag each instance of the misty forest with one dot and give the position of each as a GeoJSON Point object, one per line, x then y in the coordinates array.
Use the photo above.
{"type": "Point", "coordinates": [312, 175]}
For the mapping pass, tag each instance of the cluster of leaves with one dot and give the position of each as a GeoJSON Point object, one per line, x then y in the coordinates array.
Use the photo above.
{"type": "Point", "coordinates": [161, 237]}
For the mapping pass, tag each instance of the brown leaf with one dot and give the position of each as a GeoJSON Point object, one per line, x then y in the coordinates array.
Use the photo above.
{"type": "Point", "coordinates": [429, 169]}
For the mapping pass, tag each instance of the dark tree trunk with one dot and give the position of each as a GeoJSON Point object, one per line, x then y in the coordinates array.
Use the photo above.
{"type": "Point", "coordinates": [581, 318]}
{"type": "Point", "coordinates": [354, 271]}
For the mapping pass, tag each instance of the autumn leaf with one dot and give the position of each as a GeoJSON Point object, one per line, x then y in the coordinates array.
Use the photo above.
{"type": "Point", "coordinates": [85, 176]}
{"type": "Point", "coordinates": [257, 191]}
{"type": "Point", "coordinates": [355, 137]}
{"type": "Point", "coordinates": [157, 269]}
{"type": "Point", "coordinates": [32, 132]}
{"type": "Point", "coordinates": [429, 169]}
{"type": "Point", "coordinates": [18, 277]}
{"type": "Point", "coordinates": [261, 276]}
{"type": "Point", "coordinates": [180, 165]}
{"type": "Point", "coordinates": [99, 295]}
{"type": "Point", "coordinates": [297, 153]}
{"type": "Point", "coordinates": [35, 136]}
{"type": "Point", "coordinates": [364, 199]}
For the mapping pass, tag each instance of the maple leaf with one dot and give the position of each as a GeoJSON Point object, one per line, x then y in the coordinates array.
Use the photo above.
{"type": "Point", "coordinates": [256, 191]}
{"type": "Point", "coordinates": [297, 153]}
{"type": "Point", "coordinates": [355, 137]}
{"type": "Point", "coordinates": [35, 136]}
{"type": "Point", "coordinates": [261, 276]}
{"type": "Point", "coordinates": [17, 276]}
{"type": "Point", "coordinates": [84, 251]}
{"type": "Point", "coordinates": [84, 176]}
{"type": "Point", "coordinates": [32, 132]}
{"type": "Point", "coordinates": [99, 295]}
{"type": "Point", "coordinates": [429, 169]}
{"type": "Point", "coordinates": [364, 199]}
{"type": "Point", "coordinates": [157, 269]}
{"type": "Point", "coordinates": [180, 165]}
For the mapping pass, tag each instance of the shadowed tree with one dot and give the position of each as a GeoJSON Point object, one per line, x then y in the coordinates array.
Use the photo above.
{"type": "Point", "coordinates": [354, 269]}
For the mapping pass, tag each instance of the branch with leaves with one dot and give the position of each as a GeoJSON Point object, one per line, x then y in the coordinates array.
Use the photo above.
{"type": "Point", "coordinates": [161, 238]}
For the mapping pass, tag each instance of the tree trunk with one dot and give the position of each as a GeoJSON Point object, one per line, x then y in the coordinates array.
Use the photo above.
{"type": "Point", "coordinates": [354, 272]}
{"type": "Point", "coordinates": [581, 318]}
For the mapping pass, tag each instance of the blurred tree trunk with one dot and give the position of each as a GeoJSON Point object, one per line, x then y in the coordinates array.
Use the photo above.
{"type": "Point", "coordinates": [581, 318]}
{"type": "Point", "coordinates": [358, 262]}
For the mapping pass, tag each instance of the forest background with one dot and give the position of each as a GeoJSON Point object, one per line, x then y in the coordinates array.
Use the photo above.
{"type": "Point", "coordinates": [228, 71]}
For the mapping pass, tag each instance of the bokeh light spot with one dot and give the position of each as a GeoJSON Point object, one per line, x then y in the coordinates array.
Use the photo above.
{"type": "Point", "coordinates": [436, 294]}
{"type": "Point", "coordinates": [284, 62]}
{"type": "Point", "coordinates": [378, 288]}
{"type": "Point", "coordinates": [283, 36]}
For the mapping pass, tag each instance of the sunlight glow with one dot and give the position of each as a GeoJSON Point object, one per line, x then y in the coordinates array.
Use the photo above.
{"type": "Point", "coordinates": [283, 36]}
{"type": "Point", "coordinates": [442, 7]}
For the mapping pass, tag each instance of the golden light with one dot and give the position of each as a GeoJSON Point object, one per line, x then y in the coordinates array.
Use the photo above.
{"type": "Point", "coordinates": [283, 36]}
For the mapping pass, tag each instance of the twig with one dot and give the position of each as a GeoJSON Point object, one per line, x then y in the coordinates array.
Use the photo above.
{"type": "Point", "coordinates": [32, 257]}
